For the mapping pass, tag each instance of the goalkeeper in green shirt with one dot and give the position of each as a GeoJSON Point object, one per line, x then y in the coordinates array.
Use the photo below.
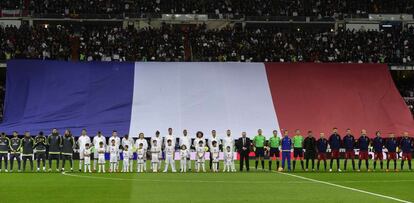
{"type": "Point", "coordinates": [274, 144]}
{"type": "Point", "coordinates": [258, 142]}
{"type": "Point", "coordinates": [297, 149]}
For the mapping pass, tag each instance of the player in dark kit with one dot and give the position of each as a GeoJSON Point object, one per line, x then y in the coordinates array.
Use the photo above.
{"type": "Point", "coordinates": [335, 144]}
{"type": "Point", "coordinates": [349, 144]}
{"type": "Point", "coordinates": [406, 145]}
{"type": "Point", "coordinates": [27, 145]}
{"type": "Point", "coordinates": [15, 147]}
{"type": "Point", "coordinates": [310, 150]}
{"type": "Point", "coordinates": [68, 144]}
{"type": "Point", "coordinates": [391, 146]}
{"type": "Point", "coordinates": [363, 143]}
{"type": "Point", "coordinates": [322, 145]}
{"type": "Point", "coordinates": [378, 144]}
{"type": "Point", "coordinates": [4, 150]}
{"type": "Point", "coordinates": [55, 143]}
{"type": "Point", "coordinates": [40, 150]}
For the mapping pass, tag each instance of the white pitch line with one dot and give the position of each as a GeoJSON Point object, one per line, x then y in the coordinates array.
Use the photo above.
{"type": "Point", "coordinates": [183, 181]}
{"type": "Point", "coordinates": [345, 187]}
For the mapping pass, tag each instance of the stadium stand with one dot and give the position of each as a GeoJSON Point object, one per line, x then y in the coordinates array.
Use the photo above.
{"type": "Point", "coordinates": [319, 8]}
{"type": "Point", "coordinates": [167, 43]}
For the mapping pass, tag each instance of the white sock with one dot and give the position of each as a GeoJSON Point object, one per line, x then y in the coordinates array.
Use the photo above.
{"type": "Point", "coordinates": [80, 164]}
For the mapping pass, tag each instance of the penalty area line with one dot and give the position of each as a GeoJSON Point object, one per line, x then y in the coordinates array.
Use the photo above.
{"type": "Point", "coordinates": [344, 187]}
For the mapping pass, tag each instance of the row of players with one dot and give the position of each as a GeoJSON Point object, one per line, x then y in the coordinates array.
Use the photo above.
{"type": "Point", "coordinates": [309, 148]}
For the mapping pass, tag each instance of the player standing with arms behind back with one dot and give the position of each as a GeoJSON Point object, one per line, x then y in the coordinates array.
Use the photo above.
{"type": "Point", "coordinates": [68, 144]}
{"type": "Point", "coordinates": [378, 144]}
{"type": "Point", "coordinates": [274, 144]}
{"type": "Point", "coordinates": [406, 145]}
{"type": "Point", "coordinates": [310, 150]}
{"type": "Point", "coordinates": [322, 145]}
{"type": "Point", "coordinates": [228, 141]}
{"type": "Point", "coordinates": [391, 146]}
{"type": "Point", "coordinates": [334, 144]}
{"type": "Point", "coordinates": [55, 143]}
{"type": "Point", "coordinates": [363, 143]}
{"type": "Point", "coordinates": [349, 144]}
{"type": "Point", "coordinates": [297, 149]}
{"type": "Point", "coordinates": [258, 143]}
{"type": "Point", "coordinates": [4, 150]}
{"type": "Point", "coordinates": [186, 140]}
{"type": "Point", "coordinates": [286, 150]}
{"type": "Point", "coordinates": [82, 141]}
{"type": "Point", "coordinates": [96, 140]}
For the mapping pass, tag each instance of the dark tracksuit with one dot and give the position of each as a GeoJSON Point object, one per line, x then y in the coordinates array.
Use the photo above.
{"type": "Point", "coordinates": [15, 147]}
{"type": "Point", "coordinates": [40, 147]}
{"type": "Point", "coordinates": [68, 143]}
{"type": "Point", "coordinates": [4, 150]}
{"type": "Point", "coordinates": [391, 146]}
{"type": "Point", "coordinates": [322, 145]}
{"type": "Point", "coordinates": [349, 144]}
{"type": "Point", "coordinates": [55, 144]}
{"type": "Point", "coordinates": [27, 152]}
{"type": "Point", "coordinates": [310, 150]}
{"type": "Point", "coordinates": [378, 144]}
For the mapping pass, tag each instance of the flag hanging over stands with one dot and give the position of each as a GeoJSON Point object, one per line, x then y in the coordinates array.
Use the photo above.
{"type": "Point", "coordinates": [149, 96]}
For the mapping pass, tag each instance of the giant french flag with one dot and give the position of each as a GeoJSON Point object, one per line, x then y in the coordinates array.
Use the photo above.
{"type": "Point", "coordinates": [149, 96]}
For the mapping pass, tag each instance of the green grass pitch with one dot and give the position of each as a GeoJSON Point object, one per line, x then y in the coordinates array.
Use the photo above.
{"type": "Point", "coordinates": [260, 186]}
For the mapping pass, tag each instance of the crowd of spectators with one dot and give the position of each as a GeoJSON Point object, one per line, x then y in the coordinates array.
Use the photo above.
{"type": "Point", "coordinates": [35, 42]}
{"type": "Point", "coordinates": [106, 43]}
{"type": "Point", "coordinates": [322, 8]}
{"type": "Point", "coordinates": [128, 44]}
{"type": "Point", "coordinates": [271, 44]}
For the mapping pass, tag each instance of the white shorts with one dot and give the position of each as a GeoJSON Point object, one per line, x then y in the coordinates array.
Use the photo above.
{"type": "Point", "coordinates": [140, 161]}
{"type": "Point", "coordinates": [113, 158]}
{"type": "Point", "coordinates": [87, 160]}
{"type": "Point", "coordinates": [81, 155]}
{"type": "Point", "coordinates": [101, 159]}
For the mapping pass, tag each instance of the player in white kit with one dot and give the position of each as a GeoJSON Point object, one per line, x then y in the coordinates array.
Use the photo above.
{"type": "Point", "coordinates": [158, 139]}
{"type": "Point", "coordinates": [155, 156]}
{"type": "Point", "coordinates": [101, 157]}
{"type": "Point", "coordinates": [82, 141]}
{"type": "Point", "coordinates": [186, 140]}
{"type": "Point", "coordinates": [183, 158]}
{"type": "Point", "coordinates": [117, 144]}
{"type": "Point", "coordinates": [214, 150]}
{"type": "Point", "coordinates": [113, 156]}
{"type": "Point", "coordinates": [196, 142]}
{"type": "Point", "coordinates": [200, 156]}
{"type": "Point", "coordinates": [126, 154]}
{"type": "Point", "coordinates": [96, 140]}
{"type": "Point", "coordinates": [140, 158]}
{"type": "Point", "coordinates": [87, 152]}
{"type": "Point", "coordinates": [228, 160]}
{"type": "Point", "coordinates": [141, 140]}
{"type": "Point", "coordinates": [213, 138]}
{"type": "Point", "coordinates": [228, 141]}
{"type": "Point", "coordinates": [169, 157]}
{"type": "Point", "coordinates": [126, 140]}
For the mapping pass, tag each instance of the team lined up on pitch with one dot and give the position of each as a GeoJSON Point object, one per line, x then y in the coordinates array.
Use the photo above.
{"type": "Point", "coordinates": [57, 147]}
